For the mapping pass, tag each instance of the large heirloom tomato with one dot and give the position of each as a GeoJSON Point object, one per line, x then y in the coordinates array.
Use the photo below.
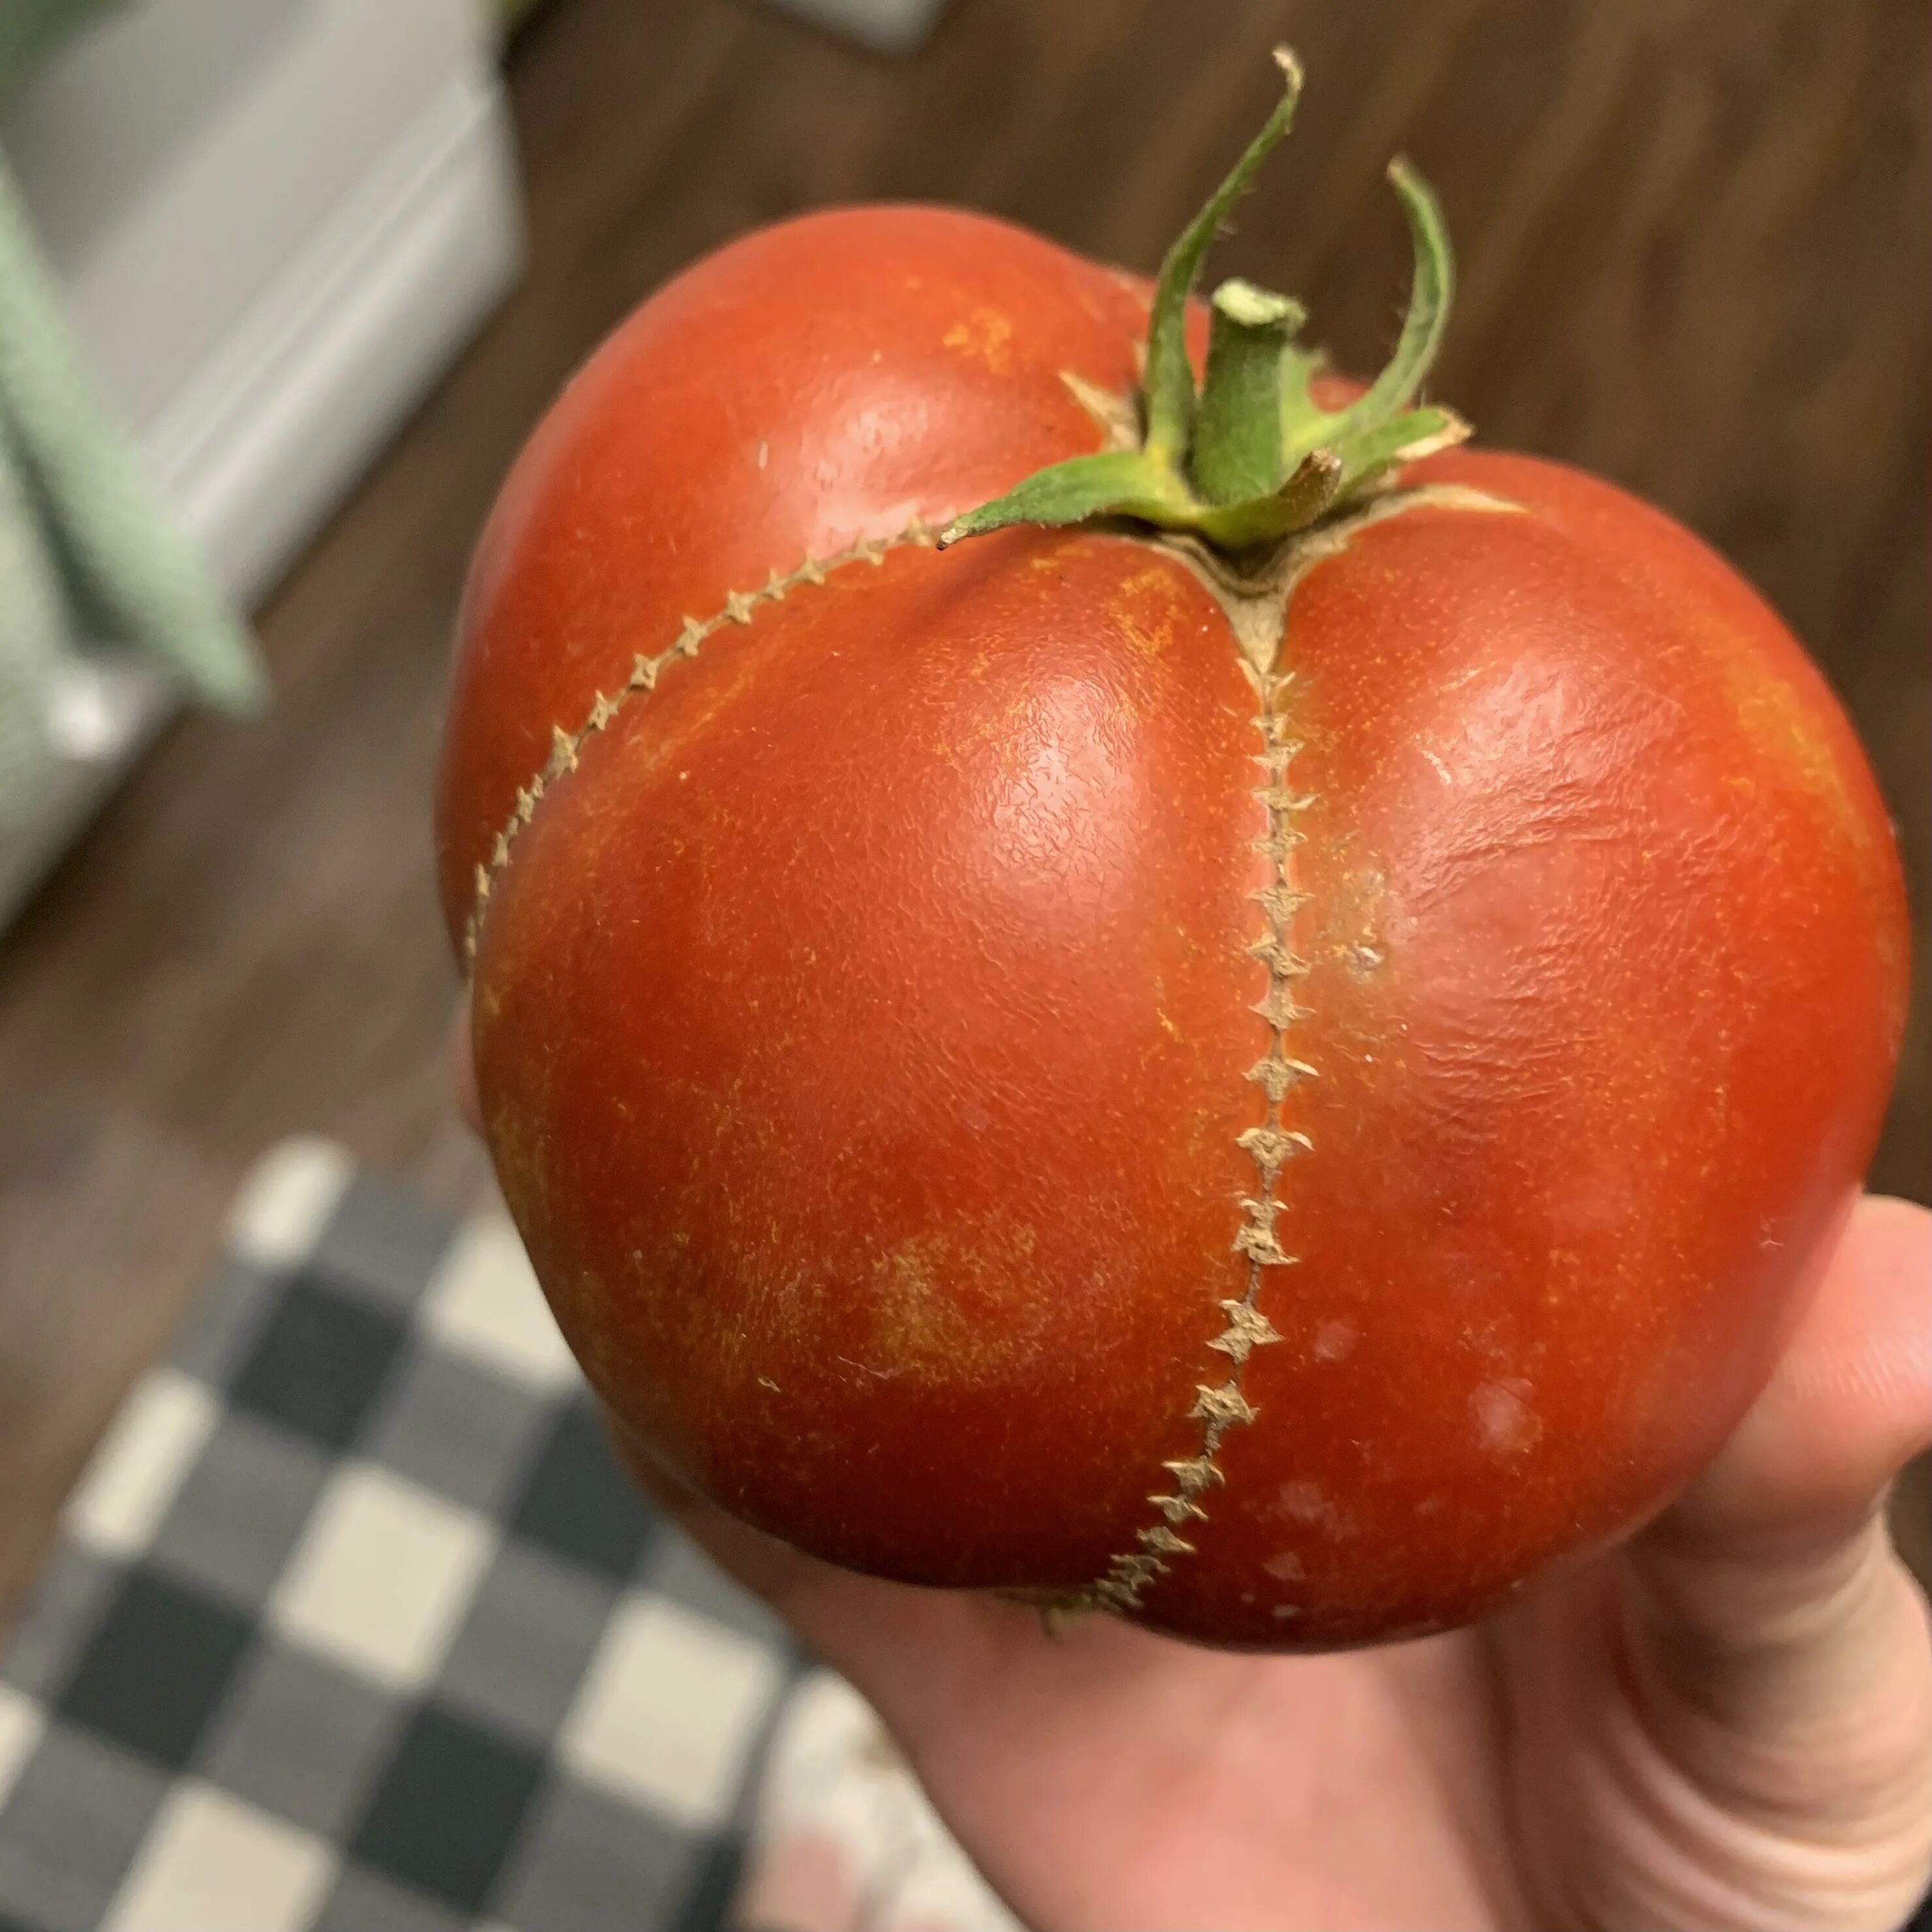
{"type": "Point", "coordinates": [1268, 1046]}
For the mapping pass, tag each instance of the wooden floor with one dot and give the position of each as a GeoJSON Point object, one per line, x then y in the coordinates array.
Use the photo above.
{"type": "Point", "coordinates": [1693, 237]}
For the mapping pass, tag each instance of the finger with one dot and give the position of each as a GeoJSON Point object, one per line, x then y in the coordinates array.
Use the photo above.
{"type": "Point", "coordinates": [1789, 1512]}
{"type": "Point", "coordinates": [879, 1634]}
{"type": "Point", "coordinates": [463, 1066]}
{"type": "Point", "coordinates": [1779, 1648]}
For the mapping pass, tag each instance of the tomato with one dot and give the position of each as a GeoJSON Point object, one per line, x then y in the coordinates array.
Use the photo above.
{"type": "Point", "coordinates": [1273, 1056]}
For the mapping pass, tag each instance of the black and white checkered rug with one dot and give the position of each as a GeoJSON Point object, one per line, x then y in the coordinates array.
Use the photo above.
{"type": "Point", "coordinates": [355, 1624]}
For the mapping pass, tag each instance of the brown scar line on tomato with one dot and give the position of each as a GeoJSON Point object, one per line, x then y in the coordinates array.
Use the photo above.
{"type": "Point", "coordinates": [738, 608]}
{"type": "Point", "coordinates": [1221, 1407]}
{"type": "Point", "coordinates": [1258, 611]}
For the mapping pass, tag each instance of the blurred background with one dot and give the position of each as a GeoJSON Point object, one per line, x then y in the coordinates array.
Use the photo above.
{"type": "Point", "coordinates": [324, 263]}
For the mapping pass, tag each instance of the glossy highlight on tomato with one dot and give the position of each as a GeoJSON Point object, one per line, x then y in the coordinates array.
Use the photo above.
{"type": "Point", "coordinates": [1275, 1094]}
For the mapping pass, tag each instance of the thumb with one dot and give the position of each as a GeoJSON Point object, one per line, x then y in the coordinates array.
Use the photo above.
{"type": "Point", "coordinates": [1779, 1647]}
{"type": "Point", "coordinates": [1785, 1530]}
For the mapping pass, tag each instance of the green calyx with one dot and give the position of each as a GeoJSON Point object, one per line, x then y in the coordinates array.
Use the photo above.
{"type": "Point", "coordinates": [1252, 457]}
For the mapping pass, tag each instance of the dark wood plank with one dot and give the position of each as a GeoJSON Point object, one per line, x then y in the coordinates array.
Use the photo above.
{"type": "Point", "coordinates": [1693, 234]}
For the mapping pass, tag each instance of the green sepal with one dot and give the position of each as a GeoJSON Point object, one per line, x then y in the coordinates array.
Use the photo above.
{"type": "Point", "coordinates": [1129, 483]}
{"type": "Point", "coordinates": [1406, 438]}
{"type": "Point", "coordinates": [1115, 482]}
{"type": "Point", "coordinates": [1167, 385]}
{"type": "Point", "coordinates": [1260, 520]}
{"type": "Point", "coordinates": [1430, 293]}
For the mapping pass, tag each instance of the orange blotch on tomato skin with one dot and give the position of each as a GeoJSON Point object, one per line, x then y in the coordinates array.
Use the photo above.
{"type": "Point", "coordinates": [1153, 616]}
{"type": "Point", "coordinates": [986, 336]}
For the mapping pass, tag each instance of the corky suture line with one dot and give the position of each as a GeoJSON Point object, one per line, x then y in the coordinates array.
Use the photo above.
{"type": "Point", "coordinates": [739, 607]}
{"type": "Point", "coordinates": [1221, 1406]}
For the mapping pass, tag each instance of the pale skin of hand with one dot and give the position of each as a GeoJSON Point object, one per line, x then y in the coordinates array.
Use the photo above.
{"type": "Point", "coordinates": [1726, 1722]}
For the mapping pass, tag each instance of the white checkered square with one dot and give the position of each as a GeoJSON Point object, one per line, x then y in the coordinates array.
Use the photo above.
{"type": "Point", "coordinates": [382, 1575]}
{"type": "Point", "coordinates": [286, 1201]}
{"type": "Point", "coordinates": [22, 1722]}
{"type": "Point", "coordinates": [212, 1863]}
{"type": "Point", "coordinates": [670, 1710]}
{"type": "Point", "coordinates": [160, 1430]}
{"type": "Point", "coordinates": [483, 1301]}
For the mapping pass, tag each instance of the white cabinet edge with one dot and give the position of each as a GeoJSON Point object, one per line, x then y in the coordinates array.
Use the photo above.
{"type": "Point", "coordinates": [262, 442]}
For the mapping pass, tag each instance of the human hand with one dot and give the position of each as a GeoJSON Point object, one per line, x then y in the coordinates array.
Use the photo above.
{"type": "Point", "coordinates": [1725, 1723]}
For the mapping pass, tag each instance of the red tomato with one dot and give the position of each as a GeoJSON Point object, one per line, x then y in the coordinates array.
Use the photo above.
{"type": "Point", "coordinates": [1278, 1115]}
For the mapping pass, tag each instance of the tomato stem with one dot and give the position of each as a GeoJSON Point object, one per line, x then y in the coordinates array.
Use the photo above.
{"type": "Point", "coordinates": [1252, 457]}
{"type": "Point", "coordinates": [1239, 449]}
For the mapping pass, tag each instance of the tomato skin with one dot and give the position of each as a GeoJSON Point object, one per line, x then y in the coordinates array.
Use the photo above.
{"type": "Point", "coordinates": [815, 382]}
{"type": "Point", "coordinates": [864, 1012]}
{"type": "Point", "coordinates": [1607, 940]}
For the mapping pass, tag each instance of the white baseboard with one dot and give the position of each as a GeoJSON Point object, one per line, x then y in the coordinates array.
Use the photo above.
{"type": "Point", "coordinates": [262, 442]}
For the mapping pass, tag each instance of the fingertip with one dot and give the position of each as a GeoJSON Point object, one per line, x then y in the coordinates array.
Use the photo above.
{"type": "Point", "coordinates": [1858, 1375]}
{"type": "Point", "coordinates": [1849, 1404]}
